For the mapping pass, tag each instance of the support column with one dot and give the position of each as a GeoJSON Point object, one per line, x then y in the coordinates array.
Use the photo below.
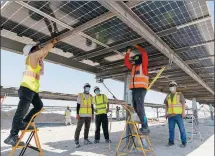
{"type": "Point", "coordinates": [211, 110]}
{"type": "Point", "coordinates": [157, 112]}
{"type": "Point", "coordinates": [195, 110]}
{"type": "Point", "coordinates": [127, 98]}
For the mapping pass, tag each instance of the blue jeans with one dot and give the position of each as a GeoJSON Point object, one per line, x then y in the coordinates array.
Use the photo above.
{"type": "Point", "coordinates": [177, 119]}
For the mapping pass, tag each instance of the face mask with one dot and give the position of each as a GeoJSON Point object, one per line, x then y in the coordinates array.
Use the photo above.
{"type": "Point", "coordinates": [171, 89]}
{"type": "Point", "coordinates": [87, 89]}
{"type": "Point", "coordinates": [97, 92]}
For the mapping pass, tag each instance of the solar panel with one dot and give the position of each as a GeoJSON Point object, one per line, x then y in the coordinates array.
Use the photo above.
{"type": "Point", "coordinates": [161, 15]}
{"type": "Point", "coordinates": [112, 31]}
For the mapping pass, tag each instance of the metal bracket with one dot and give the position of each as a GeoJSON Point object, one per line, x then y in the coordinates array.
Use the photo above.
{"type": "Point", "coordinates": [170, 62]}
{"type": "Point", "coordinates": [99, 80]}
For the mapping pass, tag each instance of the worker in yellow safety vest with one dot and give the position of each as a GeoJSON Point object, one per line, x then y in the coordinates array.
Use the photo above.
{"type": "Point", "coordinates": [84, 113]}
{"type": "Point", "coordinates": [175, 112]}
{"type": "Point", "coordinates": [67, 115]}
{"type": "Point", "coordinates": [29, 88]}
{"type": "Point", "coordinates": [101, 108]}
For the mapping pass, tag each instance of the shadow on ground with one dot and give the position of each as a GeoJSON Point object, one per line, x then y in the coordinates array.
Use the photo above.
{"type": "Point", "coordinates": [158, 137]}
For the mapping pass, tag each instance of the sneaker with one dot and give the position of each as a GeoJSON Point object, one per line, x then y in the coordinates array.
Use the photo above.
{"type": "Point", "coordinates": [12, 140]}
{"type": "Point", "coordinates": [24, 125]}
{"type": "Point", "coordinates": [86, 142]}
{"type": "Point", "coordinates": [77, 145]}
{"type": "Point", "coordinates": [96, 141]}
{"type": "Point", "coordinates": [144, 131]}
{"type": "Point", "coordinates": [183, 145]}
{"type": "Point", "coordinates": [107, 140]}
{"type": "Point", "coordinates": [170, 144]}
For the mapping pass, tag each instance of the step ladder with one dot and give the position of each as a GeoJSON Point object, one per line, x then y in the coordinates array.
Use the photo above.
{"type": "Point", "coordinates": [191, 127]}
{"type": "Point", "coordinates": [135, 141]}
{"type": "Point", "coordinates": [33, 133]}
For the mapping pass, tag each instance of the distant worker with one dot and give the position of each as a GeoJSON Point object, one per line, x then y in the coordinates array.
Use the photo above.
{"type": "Point", "coordinates": [84, 113]}
{"type": "Point", "coordinates": [67, 116]}
{"type": "Point", "coordinates": [175, 112]}
{"type": "Point", "coordinates": [117, 113]}
{"type": "Point", "coordinates": [139, 82]}
{"type": "Point", "coordinates": [101, 109]}
{"type": "Point", "coordinates": [29, 88]}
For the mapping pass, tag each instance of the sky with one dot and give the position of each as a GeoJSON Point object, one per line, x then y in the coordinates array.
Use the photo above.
{"type": "Point", "coordinates": [65, 80]}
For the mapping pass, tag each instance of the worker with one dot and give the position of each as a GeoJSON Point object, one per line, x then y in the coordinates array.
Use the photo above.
{"type": "Point", "coordinates": [175, 112]}
{"type": "Point", "coordinates": [101, 109]}
{"type": "Point", "coordinates": [117, 113]}
{"type": "Point", "coordinates": [67, 116]}
{"type": "Point", "coordinates": [84, 113]}
{"type": "Point", "coordinates": [139, 81]}
{"type": "Point", "coordinates": [28, 91]}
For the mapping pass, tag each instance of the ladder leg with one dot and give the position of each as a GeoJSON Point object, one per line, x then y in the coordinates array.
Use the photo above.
{"type": "Point", "coordinates": [139, 138]}
{"type": "Point", "coordinates": [38, 142]}
{"type": "Point", "coordinates": [27, 143]}
{"type": "Point", "coordinates": [120, 140]}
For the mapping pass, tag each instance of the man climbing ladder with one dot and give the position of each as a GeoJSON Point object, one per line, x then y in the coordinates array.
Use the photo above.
{"type": "Point", "coordinates": [28, 91]}
{"type": "Point", "coordinates": [139, 82]}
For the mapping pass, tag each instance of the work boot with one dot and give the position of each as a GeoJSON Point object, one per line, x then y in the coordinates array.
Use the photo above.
{"type": "Point", "coordinates": [12, 140]}
{"type": "Point", "coordinates": [77, 145]}
{"type": "Point", "coordinates": [183, 145]}
{"type": "Point", "coordinates": [170, 144]}
{"type": "Point", "coordinates": [96, 141]}
{"type": "Point", "coordinates": [86, 142]}
{"type": "Point", "coordinates": [144, 131]}
{"type": "Point", "coordinates": [24, 125]}
{"type": "Point", "coordinates": [107, 140]}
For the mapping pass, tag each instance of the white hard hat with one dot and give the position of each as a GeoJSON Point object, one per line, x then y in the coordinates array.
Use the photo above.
{"type": "Point", "coordinates": [96, 87]}
{"type": "Point", "coordinates": [173, 83]}
{"type": "Point", "coordinates": [87, 84]}
{"type": "Point", "coordinates": [27, 49]}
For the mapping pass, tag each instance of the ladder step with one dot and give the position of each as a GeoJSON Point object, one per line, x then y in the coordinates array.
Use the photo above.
{"type": "Point", "coordinates": [19, 147]}
{"type": "Point", "coordinates": [34, 148]}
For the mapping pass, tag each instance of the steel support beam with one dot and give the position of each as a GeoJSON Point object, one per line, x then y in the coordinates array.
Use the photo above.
{"type": "Point", "coordinates": [4, 3]}
{"type": "Point", "coordinates": [17, 47]}
{"type": "Point", "coordinates": [107, 50]}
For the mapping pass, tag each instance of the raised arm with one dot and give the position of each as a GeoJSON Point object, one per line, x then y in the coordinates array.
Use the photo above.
{"type": "Point", "coordinates": [144, 58]}
{"type": "Point", "coordinates": [126, 60]}
{"type": "Point", "coordinates": [43, 52]}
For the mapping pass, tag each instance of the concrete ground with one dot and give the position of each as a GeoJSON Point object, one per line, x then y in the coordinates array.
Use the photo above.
{"type": "Point", "coordinates": [57, 139]}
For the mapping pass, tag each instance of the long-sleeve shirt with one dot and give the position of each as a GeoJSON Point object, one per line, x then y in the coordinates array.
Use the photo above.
{"type": "Point", "coordinates": [144, 61]}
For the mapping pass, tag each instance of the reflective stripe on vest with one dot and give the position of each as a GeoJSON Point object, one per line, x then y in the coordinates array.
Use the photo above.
{"type": "Point", "coordinates": [100, 104]}
{"type": "Point", "coordinates": [31, 76]}
{"type": "Point", "coordinates": [174, 105]}
{"type": "Point", "coordinates": [138, 79]}
{"type": "Point", "coordinates": [85, 105]}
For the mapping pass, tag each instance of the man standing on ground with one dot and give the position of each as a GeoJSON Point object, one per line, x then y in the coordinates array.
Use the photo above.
{"type": "Point", "coordinates": [84, 113]}
{"type": "Point", "coordinates": [68, 116]}
{"type": "Point", "coordinates": [117, 113]}
{"type": "Point", "coordinates": [29, 88]}
{"type": "Point", "coordinates": [101, 109]}
{"type": "Point", "coordinates": [139, 82]}
{"type": "Point", "coordinates": [175, 112]}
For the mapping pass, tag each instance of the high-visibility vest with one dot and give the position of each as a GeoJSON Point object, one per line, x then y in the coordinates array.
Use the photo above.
{"type": "Point", "coordinates": [100, 102]}
{"type": "Point", "coordinates": [67, 113]}
{"type": "Point", "coordinates": [138, 79]}
{"type": "Point", "coordinates": [31, 76]}
{"type": "Point", "coordinates": [85, 105]}
{"type": "Point", "coordinates": [174, 105]}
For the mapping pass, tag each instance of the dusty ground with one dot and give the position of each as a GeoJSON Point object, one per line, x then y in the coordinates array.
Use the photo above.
{"type": "Point", "coordinates": [57, 139]}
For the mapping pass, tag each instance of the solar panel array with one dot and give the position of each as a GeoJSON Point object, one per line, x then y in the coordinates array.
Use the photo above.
{"type": "Point", "coordinates": [171, 20]}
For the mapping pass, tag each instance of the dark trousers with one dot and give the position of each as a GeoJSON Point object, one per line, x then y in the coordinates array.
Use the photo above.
{"type": "Point", "coordinates": [177, 119]}
{"type": "Point", "coordinates": [26, 97]}
{"type": "Point", "coordinates": [138, 96]}
{"type": "Point", "coordinates": [86, 121]}
{"type": "Point", "coordinates": [101, 119]}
